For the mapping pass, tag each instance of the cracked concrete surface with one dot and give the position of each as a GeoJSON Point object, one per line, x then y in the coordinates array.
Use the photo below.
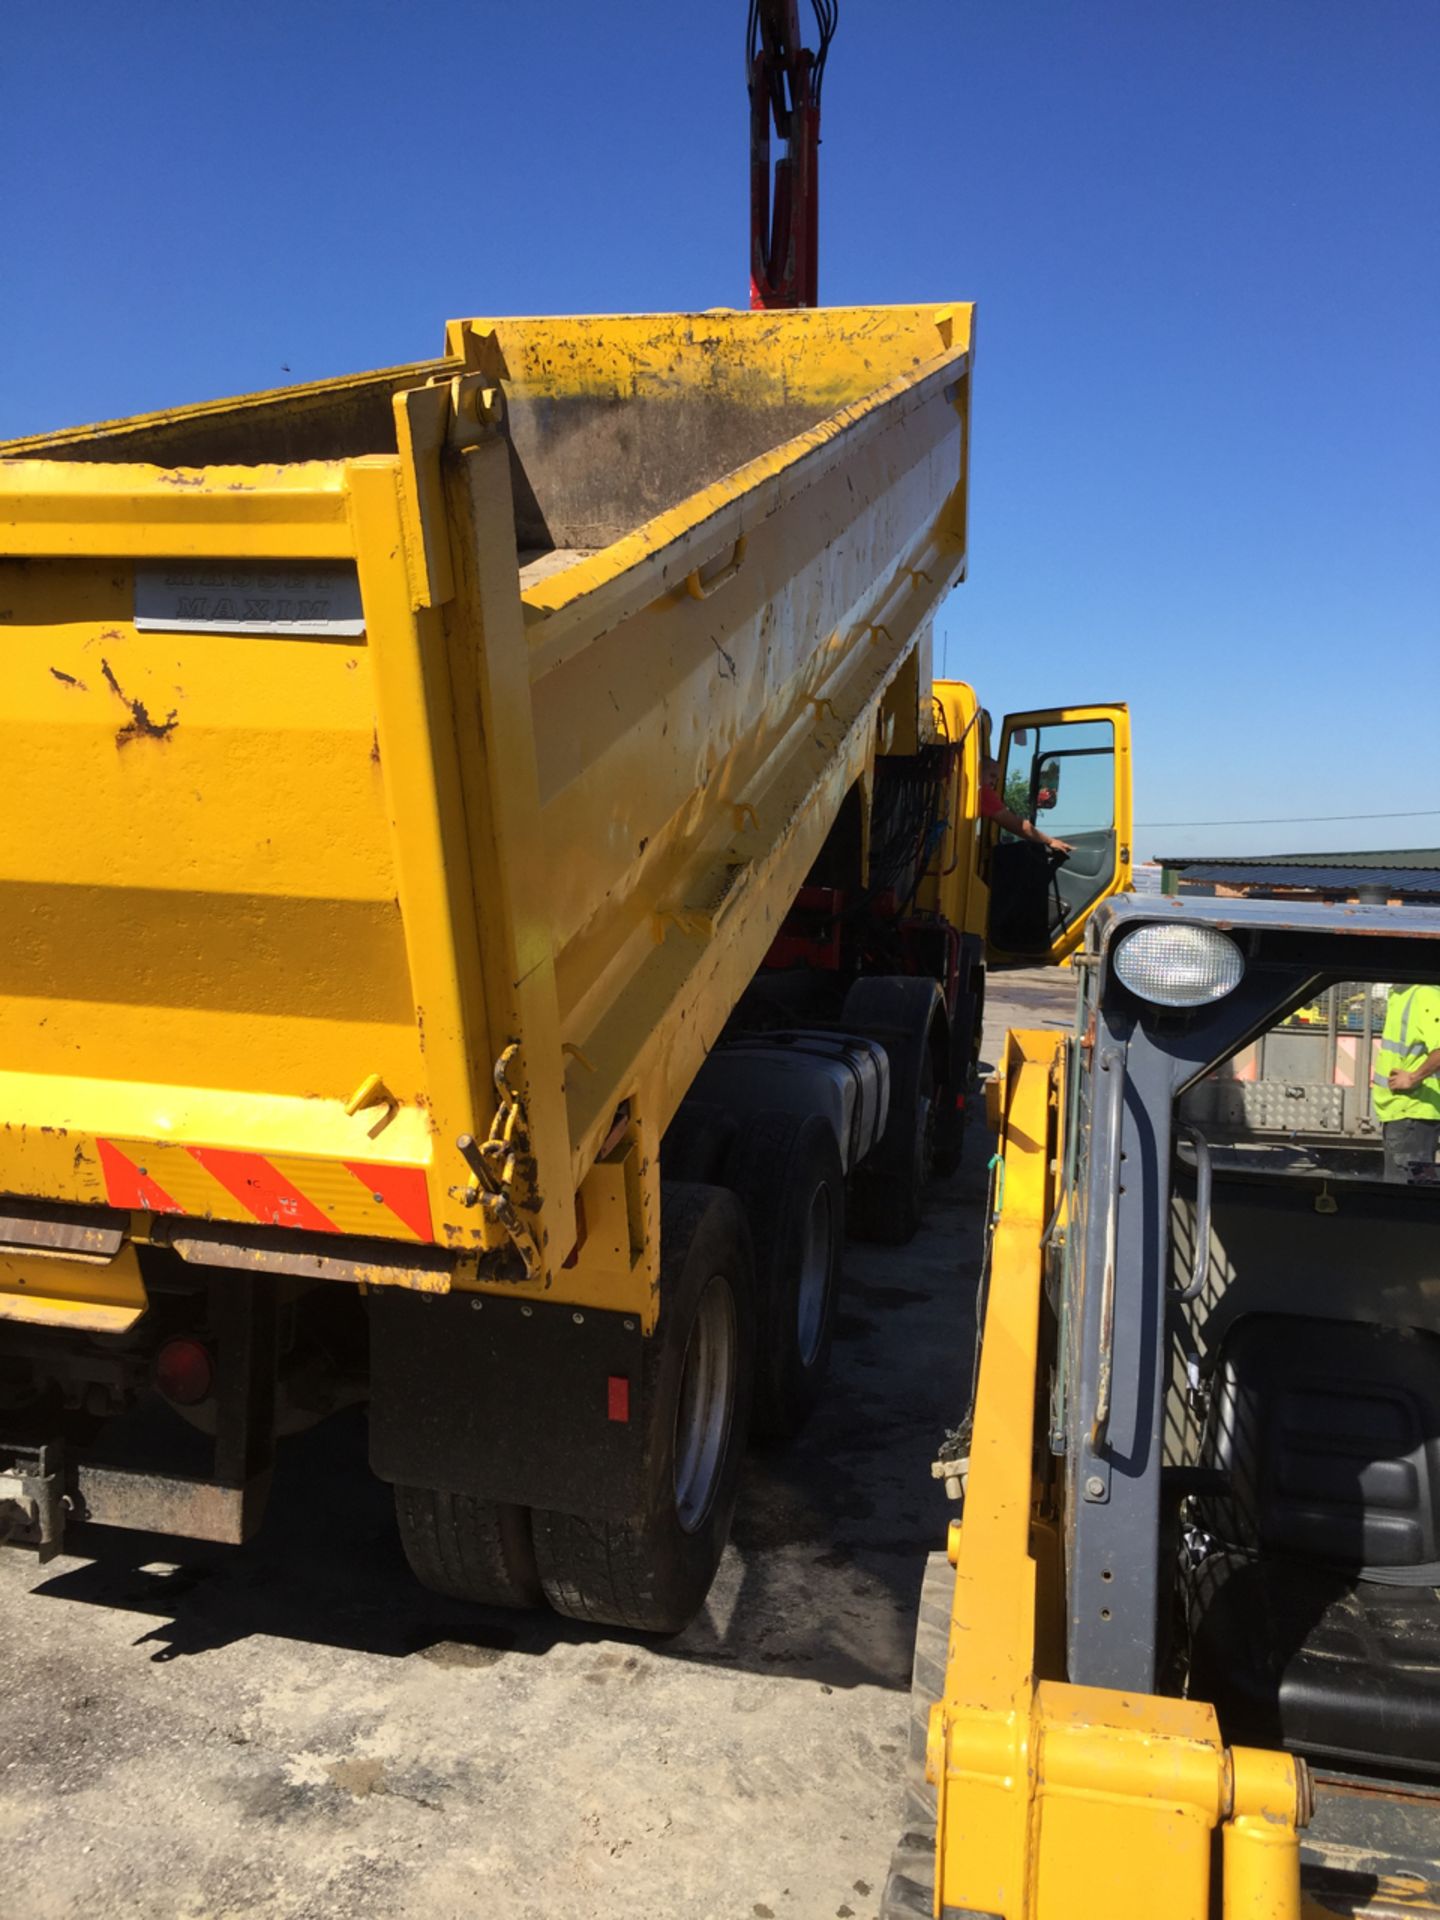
{"type": "Point", "coordinates": [298, 1730]}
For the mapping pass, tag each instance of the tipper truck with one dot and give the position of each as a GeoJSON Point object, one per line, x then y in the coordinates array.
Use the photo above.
{"type": "Point", "coordinates": [490, 878]}
{"type": "Point", "coordinates": [1182, 1657]}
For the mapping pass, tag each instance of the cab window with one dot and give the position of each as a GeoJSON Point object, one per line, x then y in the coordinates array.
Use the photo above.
{"type": "Point", "coordinates": [1061, 776]}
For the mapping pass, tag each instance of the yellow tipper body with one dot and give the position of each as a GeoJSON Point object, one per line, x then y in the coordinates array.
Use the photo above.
{"type": "Point", "coordinates": [429, 757]}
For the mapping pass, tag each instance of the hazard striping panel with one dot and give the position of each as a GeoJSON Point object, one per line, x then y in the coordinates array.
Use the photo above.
{"type": "Point", "coordinates": [262, 1189]}
{"type": "Point", "coordinates": [316, 1196]}
{"type": "Point", "coordinates": [128, 1184]}
{"type": "Point", "coordinates": [402, 1190]}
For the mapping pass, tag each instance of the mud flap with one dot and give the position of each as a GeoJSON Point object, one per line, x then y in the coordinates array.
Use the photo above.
{"type": "Point", "coordinates": [531, 1403]}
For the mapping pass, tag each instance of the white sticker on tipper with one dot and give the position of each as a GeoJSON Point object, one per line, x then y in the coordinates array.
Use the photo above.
{"type": "Point", "coordinates": [322, 601]}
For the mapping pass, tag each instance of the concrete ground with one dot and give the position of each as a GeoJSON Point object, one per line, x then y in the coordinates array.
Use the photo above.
{"type": "Point", "coordinates": [298, 1730]}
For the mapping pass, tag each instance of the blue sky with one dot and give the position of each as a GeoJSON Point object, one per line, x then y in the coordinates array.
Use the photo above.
{"type": "Point", "coordinates": [1202, 236]}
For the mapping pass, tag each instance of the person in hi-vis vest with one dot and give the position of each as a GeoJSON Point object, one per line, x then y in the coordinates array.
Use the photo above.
{"type": "Point", "coordinates": [1405, 1089]}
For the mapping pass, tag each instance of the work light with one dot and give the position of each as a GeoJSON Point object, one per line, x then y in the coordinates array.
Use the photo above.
{"type": "Point", "coordinates": [1179, 966]}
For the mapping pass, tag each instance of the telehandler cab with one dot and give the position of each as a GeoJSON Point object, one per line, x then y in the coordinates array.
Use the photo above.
{"type": "Point", "coordinates": [1188, 1661]}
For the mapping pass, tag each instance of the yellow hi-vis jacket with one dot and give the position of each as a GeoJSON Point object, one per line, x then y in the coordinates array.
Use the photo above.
{"type": "Point", "coordinates": [1412, 1030]}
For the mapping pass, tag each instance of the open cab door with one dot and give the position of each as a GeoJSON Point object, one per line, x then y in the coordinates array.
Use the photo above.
{"type": "Point", "coordinates": [1067, 769]}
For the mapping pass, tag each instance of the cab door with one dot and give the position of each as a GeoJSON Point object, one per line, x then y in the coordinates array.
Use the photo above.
{"type": "Point", "coordinates": [1066, 769]}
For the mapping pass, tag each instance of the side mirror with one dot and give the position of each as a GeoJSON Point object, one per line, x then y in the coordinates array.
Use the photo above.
{"type": "Point", "coordinates": [1047, 785]}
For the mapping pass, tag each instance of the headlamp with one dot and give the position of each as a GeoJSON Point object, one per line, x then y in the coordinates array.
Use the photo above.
{"type": "Point", "coordinates": [1173, 965]}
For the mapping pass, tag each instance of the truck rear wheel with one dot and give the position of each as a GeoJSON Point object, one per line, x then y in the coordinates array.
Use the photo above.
{"type": "Point", "coordinates": [650, 1571]}
{"type": "Point", "coordinates": [910, 1884]}
{"type": "Point", "coordinates": [906, 1014]}
{"type": "Point", "coordinates": [887, 1200]}
{"type": "Point", "coordinates": [470, 1549]}
{"type": "Point", "coordinates": [786, 1170]}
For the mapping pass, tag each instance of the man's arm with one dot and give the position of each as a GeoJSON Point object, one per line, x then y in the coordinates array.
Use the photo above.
{"type": "Point", "coordinates": [1027, 829]}
{"type": "Point", "coordinates": [1405, 1080]}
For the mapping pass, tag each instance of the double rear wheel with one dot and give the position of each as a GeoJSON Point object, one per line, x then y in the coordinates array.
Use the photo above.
{"type": "Point", "coordinates": [749, 1286]}
{"type": "Point", "coordinates": [648, 1569]}
{"type": "Point", "coordinates": [906, 1014]}
{"type": "Point", "coordinates": [888, 1197]}
{"type": "Point", "coordinates": [786, 1171]}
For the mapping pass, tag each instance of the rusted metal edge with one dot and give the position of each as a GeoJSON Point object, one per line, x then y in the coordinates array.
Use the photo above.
{"type": "Point", "coordinates": [166, 1503]}
{"type": "Point", "coordinates": [289, 1251]}
{"type": "Point", "coordinates": [76, 1233]}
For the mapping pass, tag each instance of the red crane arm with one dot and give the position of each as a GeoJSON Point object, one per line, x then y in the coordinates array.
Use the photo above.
{"type": "Point", "coordinates": [784, 79]}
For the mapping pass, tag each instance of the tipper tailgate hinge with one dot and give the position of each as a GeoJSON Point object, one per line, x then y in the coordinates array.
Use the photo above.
{"type": "Point", "coordinates": [451, 413]}
{"type": "Point", "coordinates": [499, 1163]}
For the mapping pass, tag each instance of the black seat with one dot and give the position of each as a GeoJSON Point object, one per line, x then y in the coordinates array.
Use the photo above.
{"type": "Point", "coordinates": [1313, 1611]}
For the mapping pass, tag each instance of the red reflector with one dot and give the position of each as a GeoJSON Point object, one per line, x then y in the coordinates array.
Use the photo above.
{"type": "Point", "coordinates": [619, 1397]}
{"type": "Point", "coordinates": [184, 1372]}
{"type": "Point", "coordinates": [959, 1103]}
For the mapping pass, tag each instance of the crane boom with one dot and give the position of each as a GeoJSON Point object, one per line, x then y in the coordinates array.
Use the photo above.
{"type": "Point", "coordinates": [784, 79]}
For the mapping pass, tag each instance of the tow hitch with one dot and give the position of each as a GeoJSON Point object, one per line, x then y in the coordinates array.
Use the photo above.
{"type": "Point", "coordinates": [32, 1498]}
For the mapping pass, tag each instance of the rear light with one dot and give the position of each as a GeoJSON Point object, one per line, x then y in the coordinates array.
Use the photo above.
{"type": "Point", "coordinates": [184, 1372]}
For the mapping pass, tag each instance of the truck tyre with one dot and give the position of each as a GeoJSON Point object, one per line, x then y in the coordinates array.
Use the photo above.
{"type": "Point", "coordinates": [886, 1201]}
{"type": "Point", "coordinates": [906, 1014]}
{"type": "Point", "coordinates": [697, 1143]}
{"type": "Point", "coordinates": [910, 1885]}
{"type": "Point", "coordinates": [470, 1549]}
{"type": "Point", "coordinates": [787, 1173]}
{"type": "Point", "coordinates": [651, 1570]}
